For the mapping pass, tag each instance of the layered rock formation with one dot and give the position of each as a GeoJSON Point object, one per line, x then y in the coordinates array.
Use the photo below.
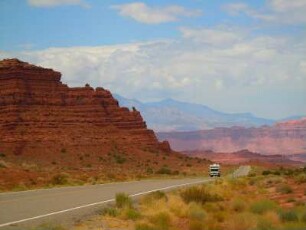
{"type": "Point", "coordinates": [243, 157]}
{"type": "Point", "coordinates": [284, 138]}
{"type": "Point", "coordinates": [38, 113]}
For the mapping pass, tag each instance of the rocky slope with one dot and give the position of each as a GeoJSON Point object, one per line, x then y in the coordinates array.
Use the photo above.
{"type": "Point", "coordinates": [282, 138]}
{"type": "Point", "coordinates": [45, 125]}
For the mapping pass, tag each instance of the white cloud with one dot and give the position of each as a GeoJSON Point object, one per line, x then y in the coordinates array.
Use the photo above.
{"type": "Point", "coordinates": [154, 15]}
{"type": "Point", "coordinates": [237, 8]}
{"type": "Point", "coordinates": [276, 11]}
{"type": "Point", "coordinates": [285, 5]}
{"type": "Point", "coordinates": [224, 75]}
{"type": "Point", "coordinates": [213, 36]}
{"type": "Point", "coordinates": [53, 3]}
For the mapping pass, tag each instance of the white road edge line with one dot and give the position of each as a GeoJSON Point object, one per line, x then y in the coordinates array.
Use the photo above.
{"type": "Point", "coordinates": [97, 203]}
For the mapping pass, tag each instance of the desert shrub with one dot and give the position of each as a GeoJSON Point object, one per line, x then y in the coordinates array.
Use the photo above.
{"type": "Point", "coordinates": [131, 214]}
{"type": "Point", "coordinates": [63, 150]}
{"type": "Point", "coordinates": [252, 174]}
{"type": "Point", "coordinates": [123, 200]}
{"type": "Point", "coordinates": [219, 216]}
{"type": "Point", "coordinates": [149, 170]}
{"type": "Point", "coordinates": [242, 221]}
{"type": "Point", "coordinates": [163, 170]}
{"type": "Point", "coordinates": [238, 205]}
{"type": "Point", "coordinates": [303, 216]}
{"type": "Point", "coordinates": [284, 189]}
{"type": "Point", "coordinates": [3, 164]}
{"type": "Point", "coordinates": [60, 179]}
{"type": "Point", "coordinates": [266, 172]}
{"type": "Point", "coordinates": [199, 195]}
{"type": "Point", "coordinates": [287, 216]}
{"type": "Point", "coordinates": [294, 227]}
{"type": "Point", "coordinates": [119, 159]}
{"type": "Point", "coordinates": [196, 212]}
{"type": "Point", "coordinates": [290, 199]}
{"type": "Point", "coordinates": [262, 206]}
{"type": "Point", "coordinates": [143, 226]}
{"type": "Point", "coordinates": [301, 178]}
{"type": "Point", "coordinates": [264, 224]}
{"type": "Point", "coordinates": [196, 225]}
{"type": "Point", "coordinates": [289, 172]}
{"type": "Point", "coordinates": [238, 183]}
{"type": "Point", "coordinates": [110, 211]}
{"type": "Point", "coordinates": [157, 195]}
{"type": "Point", "coordinates": [273, 180]}
{"type": "Point", "coordinates": [161, 221]}
{"type": "Point", "coordinates": [48, 226]}
{"type": "Point", "coordinates": [101, 158]}
{"type": "Point", "coordinates": [252, 181]}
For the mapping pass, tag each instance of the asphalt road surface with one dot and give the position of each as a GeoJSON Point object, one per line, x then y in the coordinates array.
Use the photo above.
{"type": "Point", "coordinates": [21, 210]}
{"type": "Point", "coordinates": [242, 171]}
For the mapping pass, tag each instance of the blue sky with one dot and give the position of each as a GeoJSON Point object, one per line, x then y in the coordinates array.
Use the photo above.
{"type": "Point", "coordinates": [235, 56]}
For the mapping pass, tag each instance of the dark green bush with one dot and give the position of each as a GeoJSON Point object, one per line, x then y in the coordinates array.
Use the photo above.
{"type": "Point", "coordinates": [131, 214]}
{"type": "Point", "coordinates": [303, 216]}
{"type": "Point", "coordinates": [60, 179]}
{"type": "Point", "coordinates": [199, 195]}
{"type": "Point", "coordinates": [110, 211]}
{"type": "Point", "coordinates": [284, 189]}
{"type": "Point", "coordinates": [119, 159]}
{"type": "Point", "coordinates": [161, 221]}
{"type": "Point", "coordinates": [164, 170]}
{"type": "Point", "coordinates": [144, 227]}
{"type": "Point", "coordinates": [266, 172]}
{"type": "Point", "coordinates": [287, 216]}
{"type": "Point", "coordinates": [48, 226]}
{"type": "Point", "coordinates": [123, 200]}
{"type": "Point", "coordinates": [262, 206]}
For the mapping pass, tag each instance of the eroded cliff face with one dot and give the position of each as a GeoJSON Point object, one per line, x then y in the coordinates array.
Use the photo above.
{"type": "Point", "coordinates": [40, 113]}
{"type": "Point", "coordinates": [282, 138]}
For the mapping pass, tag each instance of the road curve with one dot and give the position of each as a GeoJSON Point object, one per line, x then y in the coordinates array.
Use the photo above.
{"type": "Point", "coordinates": [18, 208]}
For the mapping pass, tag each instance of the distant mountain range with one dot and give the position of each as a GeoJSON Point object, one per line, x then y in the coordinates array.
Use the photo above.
{"type": "Point", "coordinates": [170, 115]}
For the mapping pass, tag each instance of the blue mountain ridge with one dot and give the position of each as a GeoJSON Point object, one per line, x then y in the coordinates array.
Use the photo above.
{"type": "Point", "coordinates": [172, 115]}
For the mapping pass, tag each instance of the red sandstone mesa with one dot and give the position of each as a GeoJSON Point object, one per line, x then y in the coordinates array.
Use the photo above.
{"type": "Point", "coordinates": [286, 138]}
{"type": "Point", "coordinates": [38, 113]}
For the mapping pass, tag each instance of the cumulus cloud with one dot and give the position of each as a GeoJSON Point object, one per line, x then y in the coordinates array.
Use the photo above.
{"type": "Point", "coordinates": [53, 3]}
{"type": "Point", "coordinates": [215, 36]}
{"type": "Point", "coordinates": [276, 11]}
{"type": "Point", "coordinates": [225, 75]}
{"type": "Point", "coordinates": [154, 15]}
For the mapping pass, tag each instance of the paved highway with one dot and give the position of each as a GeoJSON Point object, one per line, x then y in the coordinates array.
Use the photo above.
{"type": "Point", "coordinates": [242, 171]}
{"type": "Point", "coordinates": [19, 210]}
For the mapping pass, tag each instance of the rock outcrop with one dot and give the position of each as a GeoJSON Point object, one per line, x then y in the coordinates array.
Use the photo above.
{"type": "Point", "coordinates": [284, 138]}
{"type": "Point", "coordinates": [38, 113]}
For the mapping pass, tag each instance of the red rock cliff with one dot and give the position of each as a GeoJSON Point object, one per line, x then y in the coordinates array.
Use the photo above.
{"type": "Point", "coordinates": [284, 138]}
{"type": "Point", "coordinates": [39, 112]}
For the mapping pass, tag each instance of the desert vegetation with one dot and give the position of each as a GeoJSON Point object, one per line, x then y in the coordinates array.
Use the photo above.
{"type": "Point", "coordinates": [258, 202]}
